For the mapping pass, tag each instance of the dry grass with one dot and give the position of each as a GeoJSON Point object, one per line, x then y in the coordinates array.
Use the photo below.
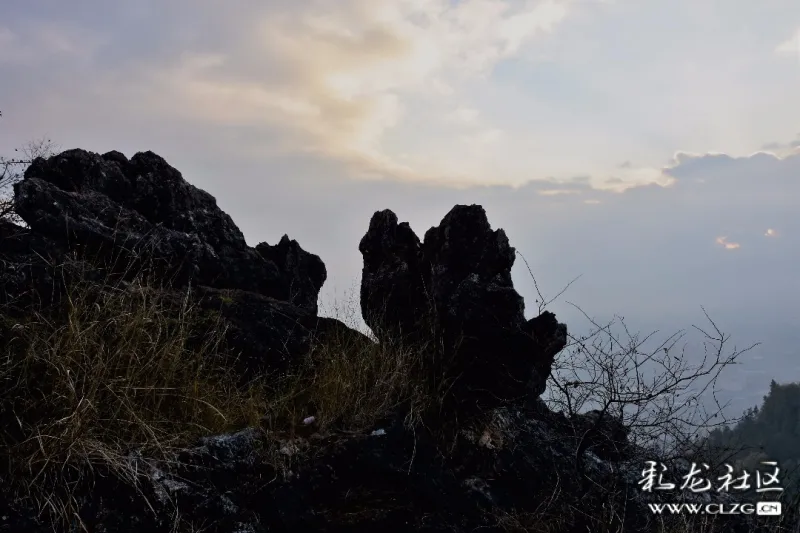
{"type": "Point", "coordinates": [125, 366]}
{"type": "Point", "coordinates": [117, 368]}
{"type": "Point", "coordinates": [120, 367]}
{"type": "Point", "coordinates": [349, 384]}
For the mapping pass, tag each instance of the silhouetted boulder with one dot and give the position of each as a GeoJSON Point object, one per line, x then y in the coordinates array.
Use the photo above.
{"type": "Point", "coordinates": [301, 272]}
{"type": "Point", "coordinates": [108, 218]}
{"type": "Point", "coordinates": [456, 286]}
{"type": "Point", "coordinates": [143, 209]}
{"type": "Point", "coordinates": [394, 302]}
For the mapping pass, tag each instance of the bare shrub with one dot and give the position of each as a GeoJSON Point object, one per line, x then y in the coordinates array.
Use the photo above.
{"type": "Point", "coordinates": [12, 169]}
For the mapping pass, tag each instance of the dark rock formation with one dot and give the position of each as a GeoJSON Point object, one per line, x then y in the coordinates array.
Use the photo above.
{"type": "Point", "coordinates": [512, 474]}
{"type": "Point", "coordinates": [300, 272]}
{"type": "Point", "coordinates": [507, 468]}
{"type": "Point", "coordinates": [603, 434]}
{"type": "Point", "coordinates": [129, 215]}
{"type": "Point", "coordinates": [144, 208]}
{"type": "Point", "coordinates": [392, 290]}
{"type": "Point", "coordinates": [457, 286]}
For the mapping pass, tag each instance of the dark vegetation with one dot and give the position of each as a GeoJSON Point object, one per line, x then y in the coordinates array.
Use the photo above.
{"type": "Point", "coordinates": [770, 432]}
{"type": "Point", "coordinates": [158, 374]}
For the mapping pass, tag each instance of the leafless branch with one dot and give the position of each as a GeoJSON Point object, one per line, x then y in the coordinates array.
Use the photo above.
{"type": "Point", "coordinates": [649, 385]}
{"type": "Point", "coordinates": [12, 169]}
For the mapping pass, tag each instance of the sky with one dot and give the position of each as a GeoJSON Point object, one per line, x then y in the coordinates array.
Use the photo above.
{"type": "Point", "coordinates": [650, 147]}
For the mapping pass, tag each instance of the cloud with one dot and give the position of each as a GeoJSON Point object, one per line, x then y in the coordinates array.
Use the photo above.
{"type": "Point", "coordinates": [438, 91]}
{"type": "Point", "coordinates": [736, 172]}
{"type": "Point", "coordinates": [628, 176]}
{"type": "Point", "coordinates": [464, 115]}
{"type": "Point", "coordinates": [782, 149]}
{"type": "Point", "coordinates": [352, 72]}
{"type": "Point", "coordinates": [557, 192]}
{"type": "Point", "coordinates": [44, 43]}
{"type": "Point", "coordinates": [723, 241]}
{"type": "Point", "coordinates": [791, 46]}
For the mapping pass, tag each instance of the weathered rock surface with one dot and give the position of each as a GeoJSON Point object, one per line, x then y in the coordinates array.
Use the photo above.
{"type": "Point", "coordinates": [513, 473]}
{"type": "Point", "coordinates": [456, 287]}
{"type": "Point", "coordinates": [139, 213]}
{"type": "Point", "coordinates": [144, 206]}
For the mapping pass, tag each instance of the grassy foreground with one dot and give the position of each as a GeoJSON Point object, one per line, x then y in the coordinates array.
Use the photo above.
{"type": "Point", "coordinates": [118, 366]}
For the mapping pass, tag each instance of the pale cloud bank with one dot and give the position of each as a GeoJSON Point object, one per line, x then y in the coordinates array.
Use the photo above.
{"type": "Point", "coordinates": [349, 73]}
{"type": "Point", "coordinates": [791, 46]}
{"type": "Point", "coordinates": [438, 91]}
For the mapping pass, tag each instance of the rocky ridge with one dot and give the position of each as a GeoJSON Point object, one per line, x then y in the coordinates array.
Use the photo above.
{"type": "Point", "coordinates": [509, 459]}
